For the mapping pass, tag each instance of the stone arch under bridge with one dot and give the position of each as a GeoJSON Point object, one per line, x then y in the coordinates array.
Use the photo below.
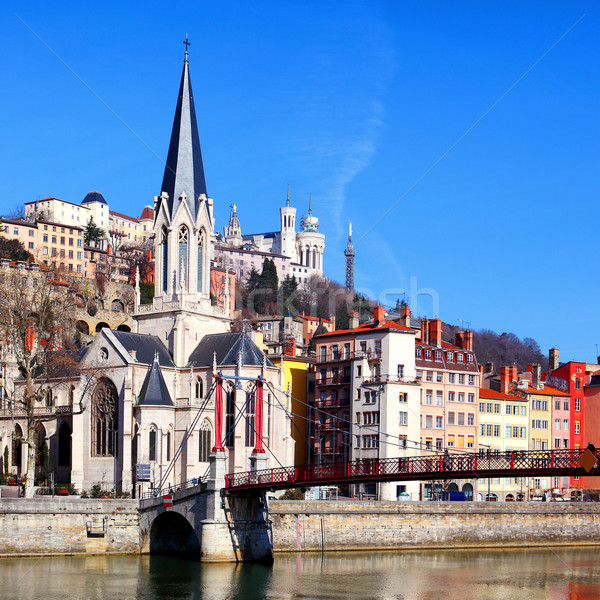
{"type": "Point", "coordinates": [203, 523]}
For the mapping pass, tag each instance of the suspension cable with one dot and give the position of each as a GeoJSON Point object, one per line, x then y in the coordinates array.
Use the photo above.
{"type": "Point", "coordinates": [184, 440]}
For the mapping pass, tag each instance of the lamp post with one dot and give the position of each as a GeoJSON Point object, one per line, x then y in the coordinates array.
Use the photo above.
{"type": "Point", "coordinates": [489, 479]}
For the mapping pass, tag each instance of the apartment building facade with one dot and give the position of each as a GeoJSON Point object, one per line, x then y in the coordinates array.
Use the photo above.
{"type": "Point", "coordinates": [449, 380]}
{"type": "Point", "coordinates": [367, 398]}
{"type": "Point", "coordinates": [503, 427]}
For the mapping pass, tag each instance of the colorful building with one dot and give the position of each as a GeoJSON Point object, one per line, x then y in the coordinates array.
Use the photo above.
{"type": "Point", "coordinates": [449, 380]}
{"type": "Point", "coordinates": [503, 427]}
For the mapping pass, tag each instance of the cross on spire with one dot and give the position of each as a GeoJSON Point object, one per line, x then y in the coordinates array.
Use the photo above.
{"type": "Point", "coordinates": [187, 44]}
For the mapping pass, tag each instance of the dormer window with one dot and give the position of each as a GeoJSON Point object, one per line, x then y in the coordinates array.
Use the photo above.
{"type": "Point", "coordinates": [469, 358]}
{"type": "Point", "coordinates": [460, 357]}
{"type": "Point", "coordinates": [450, 356]}
{"type": "Point", "coordinates": [428, 354]}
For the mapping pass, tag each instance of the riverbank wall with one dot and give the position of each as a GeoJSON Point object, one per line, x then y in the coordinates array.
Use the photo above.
{"type": "Point", "coordinates": [344, 526]}
{"type": "Point", "coordinates": [66, 526]}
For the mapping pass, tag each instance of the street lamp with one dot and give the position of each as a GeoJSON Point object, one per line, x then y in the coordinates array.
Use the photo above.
{"type": "Point", "coordinates": [489, 478]}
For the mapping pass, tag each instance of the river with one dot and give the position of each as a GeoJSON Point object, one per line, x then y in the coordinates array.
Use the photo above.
{"type": "Point", "coordinates": [572, 574]}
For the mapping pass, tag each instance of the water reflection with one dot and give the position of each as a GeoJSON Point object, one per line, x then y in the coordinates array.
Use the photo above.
{"type": "Point", "coordinates": [572, 574]}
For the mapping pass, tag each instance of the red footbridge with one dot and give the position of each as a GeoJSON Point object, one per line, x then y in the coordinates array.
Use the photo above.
{"type": "Point", "coordinates": [527, 463]}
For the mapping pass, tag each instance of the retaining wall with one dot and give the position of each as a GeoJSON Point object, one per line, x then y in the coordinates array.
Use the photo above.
{"type": "Point", "coordinates": [310, 526]}
{"type": "Point", "coordinates": [47, 526]}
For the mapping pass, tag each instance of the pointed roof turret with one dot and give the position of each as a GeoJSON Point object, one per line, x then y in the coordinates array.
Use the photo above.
{"type": "Point", "coordinates": [154, 390]}
{"type": "Point", "coordinates": [184, 171]}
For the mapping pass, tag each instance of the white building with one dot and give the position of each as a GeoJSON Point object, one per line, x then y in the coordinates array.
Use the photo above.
{"type": "Point", "coordinates": [303, 249]}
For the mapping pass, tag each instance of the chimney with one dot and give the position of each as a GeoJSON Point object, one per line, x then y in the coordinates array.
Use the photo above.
{"type": "Point", "coordinates": [468, 340]}
{"type": "Point", "coordinates": [489, 367]}
{"type": "Point", "coordinates": [504, 379]}
{"type": "Point", "coordinates": [536, 381]}
{"type": "Point", "coordinates": [425, 330]}
{"type": "Point", "coordinates": [405, 315]}
{"type": "Point", "coordinates": [530, 368]}
{"type": "Point", "coordinates": [553, 359]}
{"type": "Point", "coordinates": [354, 320]}
{"type": "Point", "coordinates": [435, 332]}
{"type": "Point", "coordinates": [379, 315]}
{"type": "Point", "coordinates": [514, 374]}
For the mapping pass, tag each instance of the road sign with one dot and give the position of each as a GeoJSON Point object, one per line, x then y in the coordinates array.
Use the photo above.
{"type": "Point", "coordinates": [142, 471]}
{"type": "Point", "coordinates": [168, 500]}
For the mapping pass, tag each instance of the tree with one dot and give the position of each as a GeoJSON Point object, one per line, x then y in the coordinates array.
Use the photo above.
{"type": "Point", "coordinates": [14, 250]}
{"type": "Point", "coordinates": [93, 233]}
{"type": "Point", "coordinates": [288, 289]}
{"type": "Point", "coordinates": [36, 328]}
{"type": "Point", "coordinates": [318, 331]}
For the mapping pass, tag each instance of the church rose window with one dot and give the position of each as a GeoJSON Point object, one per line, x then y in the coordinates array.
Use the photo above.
{"type": "Point", "coordinates": [104, 418]}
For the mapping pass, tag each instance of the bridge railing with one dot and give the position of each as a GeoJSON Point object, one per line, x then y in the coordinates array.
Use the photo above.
{"type": "Point", "coordinates": [510, 463]}
{"type": "Point", "coordinates": [193, 482]}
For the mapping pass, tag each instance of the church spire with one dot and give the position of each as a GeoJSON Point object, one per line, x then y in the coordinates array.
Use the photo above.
{"type": "Point", "coordinates": [184, 171]}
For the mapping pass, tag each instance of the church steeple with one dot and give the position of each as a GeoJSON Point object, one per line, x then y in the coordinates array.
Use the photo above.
{"type": "Point", "coordinates": [184, 171]}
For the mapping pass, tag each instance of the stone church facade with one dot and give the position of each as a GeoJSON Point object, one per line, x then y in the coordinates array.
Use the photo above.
{"type": "Point", "coordinates": [153, 402]}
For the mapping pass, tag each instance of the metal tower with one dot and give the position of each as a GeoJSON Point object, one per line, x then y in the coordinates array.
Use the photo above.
{"type": "Point", "coordinates": [350, 254]}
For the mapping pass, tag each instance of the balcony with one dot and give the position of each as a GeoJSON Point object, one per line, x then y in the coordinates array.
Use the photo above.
{"type": "Point", "coordinates": [379, 379]}
{"type": "Point", "coordinates": [341, 355]}
{"type": "Point", "coordinates": [336, 380]}
{"type": "Point", "coordinates": [332, 403]}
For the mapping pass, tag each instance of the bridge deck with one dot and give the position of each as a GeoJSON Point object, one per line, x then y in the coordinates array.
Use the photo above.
{"type": "Point", "coordinates": [531, 463]}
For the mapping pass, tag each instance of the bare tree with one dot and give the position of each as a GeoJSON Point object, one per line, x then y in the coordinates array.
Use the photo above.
{"type": "Point", "coordinates": [36, 327]}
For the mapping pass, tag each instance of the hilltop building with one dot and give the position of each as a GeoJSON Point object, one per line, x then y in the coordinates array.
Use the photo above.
{"type": "Point", "coordinates": [298, 254]}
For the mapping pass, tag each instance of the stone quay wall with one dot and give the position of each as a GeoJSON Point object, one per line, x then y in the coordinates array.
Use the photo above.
{"type": "Point", "coordinates": [65, 526]}
{"type": "Point", "coordinates": [334, 525]}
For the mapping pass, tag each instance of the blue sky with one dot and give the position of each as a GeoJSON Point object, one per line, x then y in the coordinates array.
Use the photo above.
{"type": "Point", "coordinates": [354, 103]}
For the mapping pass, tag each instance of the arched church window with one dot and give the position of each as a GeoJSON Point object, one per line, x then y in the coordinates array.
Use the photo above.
{"type": "Point", "coordinates": [64, 445]}
{"type": "Point", "coordinates": [250, 418]}
{"type": "Point", "coordinates": [40, 442]}
{"type": "Point", "coordinates": [204, 444]}
{"type": "Point", "coordinates": [71, 395]}
{"type": "Point", "coordinates": [199, 388]}
{"type": "Point", "coordinates": [152, 444]}
{"type": "Point", "coordinates": [104, 418]}
{"type": "Point", "coordinates": [49, 399]}
{"type": "Point", "coordinates": [165, 256]}
{"type": "Point", "coordinates": [17, 441]}
{"type": "Point", "coordinates": [168, 443]}
{"type": "Point", "coordinates": [201, 239]}
{"type": "Point", "coordinates": [183, 255]}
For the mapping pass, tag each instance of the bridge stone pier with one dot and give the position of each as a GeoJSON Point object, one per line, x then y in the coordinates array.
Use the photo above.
{"type": "Point", "coordinates": [204, 523]}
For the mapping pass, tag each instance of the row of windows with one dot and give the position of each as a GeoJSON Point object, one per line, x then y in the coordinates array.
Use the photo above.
{"type": "Point", "coordinates": [437, 355]}
{"type": "Point", "coordinates": [539, 424]}
{"type": "Point", "coordinates": [452, 397]}
{"type": "Point", "coordinates": [439, 377]}
{"type": "Point", "coordinates": [510, 431]}
{"type": "Point", "coordinates": [496, 408]}
{"type": "Point", "coordinates": [565, 424]}
{"type": "Point", "coordinates": [453, 419]}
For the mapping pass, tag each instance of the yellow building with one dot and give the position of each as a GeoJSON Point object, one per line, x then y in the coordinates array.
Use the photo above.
{"type": "Point", "coordinates": [294, 382]}
{"type": "Point", "coordinates": [503, 426]}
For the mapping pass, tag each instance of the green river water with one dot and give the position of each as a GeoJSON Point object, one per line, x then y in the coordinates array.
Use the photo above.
{"type": "Point", "coordinates": [572, 574]}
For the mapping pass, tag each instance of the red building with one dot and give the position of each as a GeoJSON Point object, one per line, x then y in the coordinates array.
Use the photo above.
{"type": "Point", "coordinates": [591, 424]}
{"type": "Point", "coordinates": [572, 378]}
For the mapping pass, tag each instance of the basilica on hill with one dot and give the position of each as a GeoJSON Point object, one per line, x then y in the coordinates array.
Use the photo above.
{"type": "Point", "coordinates": [153, 403]}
